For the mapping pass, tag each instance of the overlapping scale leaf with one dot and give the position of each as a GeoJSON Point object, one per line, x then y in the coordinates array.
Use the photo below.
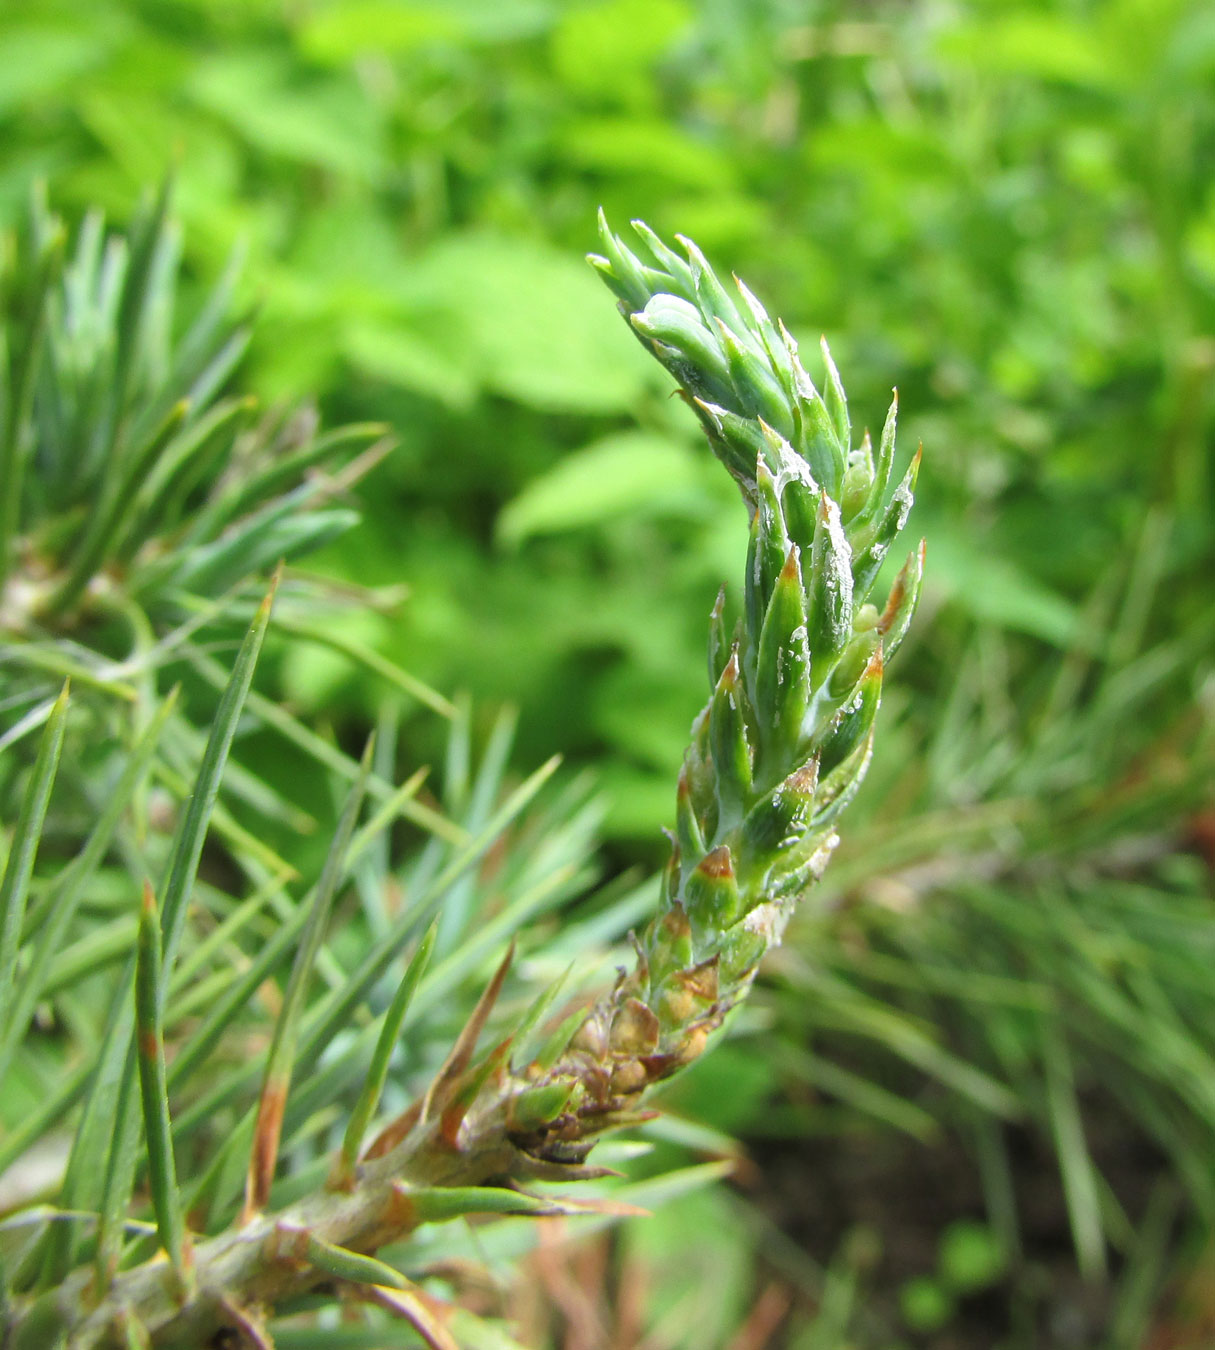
{"type": "Point", "coordinates": [785, 740]}
{"type": "Point", "coordinates": [726, 354]}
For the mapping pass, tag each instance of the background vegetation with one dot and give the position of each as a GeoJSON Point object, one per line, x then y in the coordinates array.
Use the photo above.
{"type": "Point", "coordinates": [981, 1100]}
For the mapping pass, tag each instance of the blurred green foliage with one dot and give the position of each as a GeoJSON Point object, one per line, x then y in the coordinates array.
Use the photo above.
{"type": "Point", "coordinates": [1006, 209]}
{"type": "Point", "coordinates": [1002, 209]}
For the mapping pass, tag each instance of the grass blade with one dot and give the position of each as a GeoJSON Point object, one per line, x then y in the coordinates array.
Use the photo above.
{"type": "Point", "coordinates": [1080, 1182]}
{"type": "Point", "coordinates": [181, 872]}
{"type": "Point", "coordinates": [149, 1016]}
{"type": "Point", "coordinates": [330, 756]}
{"type": "Point", "coordinates": [335, 1009]}
{"type": "Point", "coordinates": [281, 471]}
{"type": "Point", "coordinates": [369, 1098]}
{"type": "Point", "coordinates": [14, 889]}
{"type": "Point", "coordinates": [188, 843]}
{"type": "Point", "coordinates": [373, 661]}
{"type": "Point", "coordinates": [122, 1162]}
{"type": "Point", "coordinates": [83, 1188]}
{"type": "Point", "coordinates": [108, 519]}
{"type": "Point", "coordinates": [65, 894]}
{"type": "Point", "coordinates": [281, 1058]}
{"type": "Point", "coordinates": [48, 239]}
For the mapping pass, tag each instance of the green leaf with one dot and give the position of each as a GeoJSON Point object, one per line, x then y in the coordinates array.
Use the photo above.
{"type": "Point", "coordinates": [279, 531]}
{"type": "Point", "coordinates": [728, 739]}
{"type": "Point", "coordinates": [782, 679]}
{"type": "Point", "coordinates": [608, 49]}
{"type": "Point", "coordinates": [399, 354]}
{"type": "Point", "coordinates": [1037, 46]}
{"type": "Point", "coordinates": [42, 58]}
{"type": "Point", "coordinates": [533, 321]}
{"type": "Point", "coordinates": [301, 1245]}
{"type": "Point", "coordinates": [265, 102]}
{"type": "Point", "coordinates": [340, 33]}
{"type": "Point", "coordinates": [627, 474]}
{"type": "Point", "coordinates": [646, 146]}
{"type": "Point", "coordinates": [440, 1204]}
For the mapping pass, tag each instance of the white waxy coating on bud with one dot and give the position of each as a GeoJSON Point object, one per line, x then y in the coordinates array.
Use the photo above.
{"type": "Point", "coordinates": [839, 554]}
{"type": "Point", "coordinates": [789, 655]}
{"type": "Point", "coordinates": [767, 920]}
{"type": "Point", "coordinates": [821, 519]}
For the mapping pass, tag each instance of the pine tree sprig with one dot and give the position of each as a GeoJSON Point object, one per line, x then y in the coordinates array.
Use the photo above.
{"type": "Point", "coordinates": [775, 757]}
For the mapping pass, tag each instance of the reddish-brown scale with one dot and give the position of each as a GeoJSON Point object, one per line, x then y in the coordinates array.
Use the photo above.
{"type": "Point", "coordinates": [701, 981]}
{"type": "Point", "coordinates": [628, 1077]}
{"type": "Point", "coordinates": [717, 863]}
{"type": "Point", "coordinates": [500, 1058]}
{"type": "Point", "coordinates": [897, 593]}
{"type": "Point", "coordinates": [264, 1154]}
{"type": "Point", "coordinates": [591, 1037]}
{"type": "Point", "coordinates": [450, 1122]}
{"type": "Point", "coordinates": [598, 1085]}
{"type": "Point", "coordinates": [634, 1029]}
{"type": "Point", "coordinates": [676, 924]}
{"type": "Point", "coordinates": [400, 1214]}
{"type": "Point", "coordinates": [658, 1067]}
{"type": "Point", "coordinates": [394, 1132]}
{"type": "Point", "coordinates": [465, 1091]}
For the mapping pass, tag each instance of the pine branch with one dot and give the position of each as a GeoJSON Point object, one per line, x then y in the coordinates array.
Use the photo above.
{"type": "Point", "coordinates": [778, 752]}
